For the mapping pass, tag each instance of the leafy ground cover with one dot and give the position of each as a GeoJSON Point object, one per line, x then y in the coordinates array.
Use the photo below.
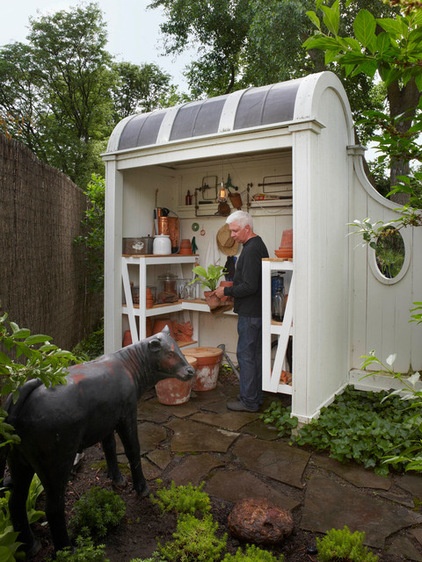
{"type": "Point", "coordinates": [364, 427]}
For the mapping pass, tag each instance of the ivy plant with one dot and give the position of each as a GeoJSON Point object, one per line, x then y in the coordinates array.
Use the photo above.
{"type": "Point", "coordinates": [363, 427]}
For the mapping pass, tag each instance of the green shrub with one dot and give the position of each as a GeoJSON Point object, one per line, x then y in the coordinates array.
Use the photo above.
{"type": "Point", "coordinates": [96, 512]}
{"type": "Point", "coordinates": [194, 540]}
{"type": "Point", "coordinates": [342, 544]}
{"type": "Point", "coordinates": [85, 551]}
{"type": "Point", "coordinates": [252, 553]}
{"type": "Point", "coordinates": [91, 347]}
{"type": "Point", "coordinates": [155, 557]}
{"type": "Point", "coordinates": [182, 499]}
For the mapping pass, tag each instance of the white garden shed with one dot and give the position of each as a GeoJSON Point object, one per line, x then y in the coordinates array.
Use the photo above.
{"type": "Point", "coordinates": [290, 149]}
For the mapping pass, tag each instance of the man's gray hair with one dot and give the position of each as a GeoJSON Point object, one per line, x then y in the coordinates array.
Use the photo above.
{"type": "Point", "coordinates": [242, 218]}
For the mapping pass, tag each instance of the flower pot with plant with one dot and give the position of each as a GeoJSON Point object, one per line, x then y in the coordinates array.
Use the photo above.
{"type": "Point", "coordinates": [208, 279]}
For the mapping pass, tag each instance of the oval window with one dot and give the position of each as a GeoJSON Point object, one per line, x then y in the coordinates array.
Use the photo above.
{"type": "Point", "coordinates": [390, 252]}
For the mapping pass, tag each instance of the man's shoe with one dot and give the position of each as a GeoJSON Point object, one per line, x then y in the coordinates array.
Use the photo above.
{"type": "Point", "coordinates": [238, 406]}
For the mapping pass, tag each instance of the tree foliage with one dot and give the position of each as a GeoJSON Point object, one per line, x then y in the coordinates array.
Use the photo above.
{"type": "Point", "coordinates": [139, 89]}
{"type": "Point", "coordinates": [62, 93]}
{"type": "Point", "coordinates": [390, 47]}
{"type": "Point", "coordinates": [61, 111]}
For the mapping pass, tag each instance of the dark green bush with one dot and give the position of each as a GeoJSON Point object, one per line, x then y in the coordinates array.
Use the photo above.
{"type": "Point", "coordinates": [96, 512]}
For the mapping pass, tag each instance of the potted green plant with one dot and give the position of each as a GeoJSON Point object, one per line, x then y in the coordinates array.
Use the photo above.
{"type": "Point", "coordinates": [208, 279]}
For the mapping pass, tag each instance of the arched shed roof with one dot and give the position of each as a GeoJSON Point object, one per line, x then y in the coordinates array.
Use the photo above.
{"type": "Point", "coordinates": [245, 109]}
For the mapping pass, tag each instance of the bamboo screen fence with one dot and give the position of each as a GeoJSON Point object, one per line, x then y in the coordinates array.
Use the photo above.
{"type": "Point", "coordinates": [42, 272]}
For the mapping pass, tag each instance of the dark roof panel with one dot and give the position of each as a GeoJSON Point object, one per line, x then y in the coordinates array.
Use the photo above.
{"type": "Point", "coordinates": [198, 118]}
{"type": "Point", "coordinates": [142, 130]}
{"type": "Point", "coordinates": [253, 107]}
{"type": "Point", "coordinates": [263, 106]}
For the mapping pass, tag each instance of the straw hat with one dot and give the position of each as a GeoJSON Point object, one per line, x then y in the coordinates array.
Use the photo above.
{"type": "Point", "coordinates": [226, 244]}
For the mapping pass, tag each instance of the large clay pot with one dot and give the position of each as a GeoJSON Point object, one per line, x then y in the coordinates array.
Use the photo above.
{"type": "Point", "coordinates": [173, 392]}
{"type": "Point", "coordinates": [208, 366]}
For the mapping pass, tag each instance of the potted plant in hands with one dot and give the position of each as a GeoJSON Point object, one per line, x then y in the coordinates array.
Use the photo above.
{"type": "Point", "coordinates": [208, 279]}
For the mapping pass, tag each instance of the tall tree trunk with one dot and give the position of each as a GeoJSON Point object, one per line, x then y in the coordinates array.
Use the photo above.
{"type": "Point", "coordinates": [402, 101]}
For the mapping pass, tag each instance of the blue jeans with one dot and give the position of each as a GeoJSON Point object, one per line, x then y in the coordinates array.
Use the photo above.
{"type": "Point", "coordinates": [249, 357]}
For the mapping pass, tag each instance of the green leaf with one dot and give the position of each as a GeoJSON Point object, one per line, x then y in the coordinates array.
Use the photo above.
{"type": "Point", "coordinates": [20, 332]}
{"type": "Point", "coordinates": [331, 17]}
{"type": "Point", "coordinates": [364, 27]}
{"type": "Point", "coordinates": [393, 26]}
{"type": "Point", "coordinates": [383, 44]}
{"type": "Point", "coordinates": [37, 338]}
{"type": "Point", "coordinates": [314, 19]}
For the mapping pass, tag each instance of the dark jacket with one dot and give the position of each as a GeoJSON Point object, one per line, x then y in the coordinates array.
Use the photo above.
{"type": "Point", "coordinates": [247, 281]}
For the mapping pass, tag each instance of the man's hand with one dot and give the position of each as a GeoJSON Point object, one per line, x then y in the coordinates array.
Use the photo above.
{"type": "Point", "coordinates": [219, 292]}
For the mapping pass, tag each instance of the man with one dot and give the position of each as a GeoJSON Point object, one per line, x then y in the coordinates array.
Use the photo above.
{"type": "Point", "coordinates": [247, 293]}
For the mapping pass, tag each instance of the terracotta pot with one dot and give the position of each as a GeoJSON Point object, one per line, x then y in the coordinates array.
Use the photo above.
{"type": "Point", "coordinates": [208, 366]}
{"type": "Point", "coordinates": [149, 298]}
{"type": "Point", "coordinates": [286, 239]}
{"type": "Point", "coordinates": [185, 243]}
{"type": "Point", "coordinates": [226, 284]}
{"type": "Point", "coordinates": [161, 323]}
{"type": "Point", "coordinates": [127, 338]}
{"type": "Point", "coordinates": [212, 300]}
{"type": "Point", "coordinates": [173, 392]}
{"type": "Point", "coordinates": [285, 253]}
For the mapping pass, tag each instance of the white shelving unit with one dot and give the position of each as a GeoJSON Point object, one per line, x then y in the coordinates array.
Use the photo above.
{"type": "Point", "coordinates": [272, 367]}
{"type": "Point", "coordinates": [141, 312]}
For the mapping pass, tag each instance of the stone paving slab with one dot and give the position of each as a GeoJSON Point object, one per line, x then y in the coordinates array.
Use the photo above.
{"type": "Point", "coordinates": [232, 421]}
{"type": "Point", "coordinates": [190, 436]}
{"type": "Point", "coordinates": [150, 435]}
{"type": "Point", "coordinates": [329, 504]}
{"type": "Point", "coordinates": [274, 459]}
{"type": "Point", "coordinates": [402, 547]}
{"type": "Point", "coordinates": [411, 483]}
{"type": "Point", "coordinates": [234, 485]}
{"type": "Point", "coordinates": [194, 469]}
{"type": "Point", "coordinates": [160, 457]}
{"type": "Point", "coordinates": [353, 473]}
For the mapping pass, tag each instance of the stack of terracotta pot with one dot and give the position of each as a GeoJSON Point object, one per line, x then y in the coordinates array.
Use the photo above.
{"type": "Point", "coordinates": [185, 247]}
{"type": "Point", "coordinates": [149, 298]}
{"type": "Point", "coordinates": [285, 251]}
